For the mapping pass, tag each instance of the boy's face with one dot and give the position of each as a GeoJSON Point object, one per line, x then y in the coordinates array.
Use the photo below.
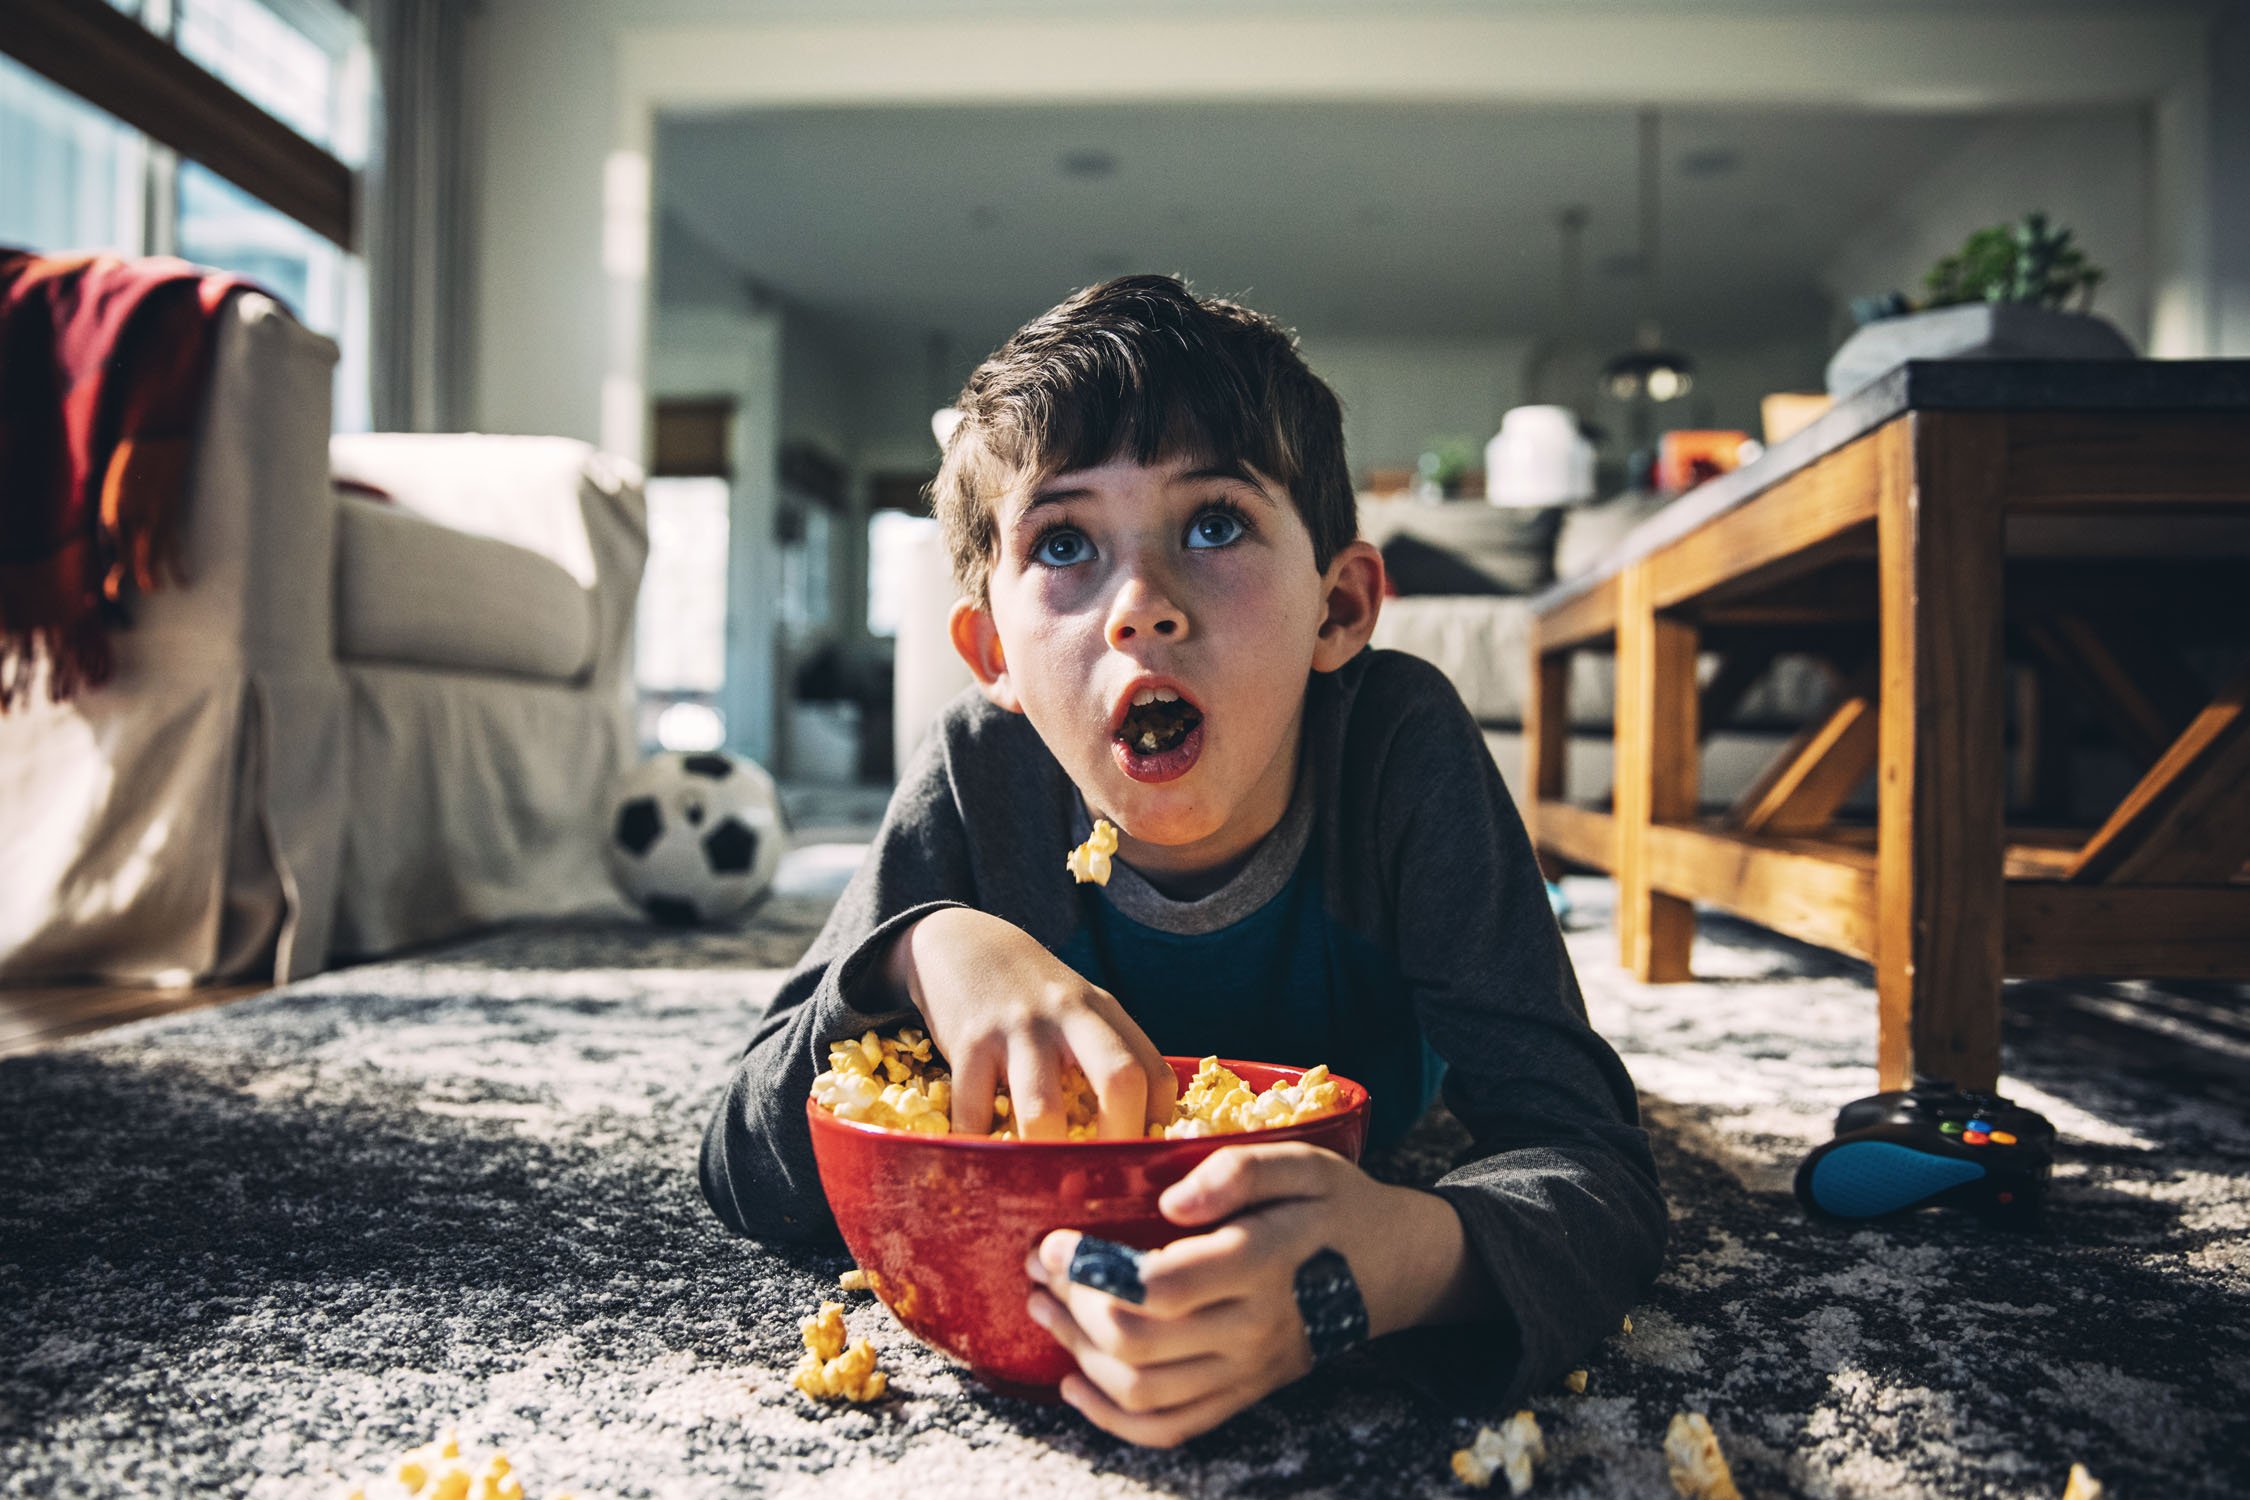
{"type": "Point", "coordinates": [1180, 580]}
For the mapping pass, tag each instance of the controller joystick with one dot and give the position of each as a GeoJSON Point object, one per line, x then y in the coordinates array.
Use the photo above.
{"type": "Point", "coordinates": [1931, 1146]}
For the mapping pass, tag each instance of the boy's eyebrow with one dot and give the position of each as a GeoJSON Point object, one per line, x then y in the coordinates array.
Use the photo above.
{"type": "Point", "coordinates": [1233, 470]}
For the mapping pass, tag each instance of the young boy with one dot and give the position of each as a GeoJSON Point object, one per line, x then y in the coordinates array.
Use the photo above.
{"type": "Point", "coordinates": [1167, 612]}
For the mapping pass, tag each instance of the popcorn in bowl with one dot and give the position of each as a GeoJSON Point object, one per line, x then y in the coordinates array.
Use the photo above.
{"type": "Point", "coordinates": [899, 1083]}
{"type": "Point", "coordinates": [939, 1223]}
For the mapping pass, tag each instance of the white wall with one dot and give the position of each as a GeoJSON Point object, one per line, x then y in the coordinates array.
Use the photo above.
{"type": "Point", "coordinates": [545, 75]}
{"type": "Point", "coordinates": [2088, 172]}
{"type": "Point", "coordinates": [1403, 396]}
{"type": "Point", "coordinates": [820, 386]}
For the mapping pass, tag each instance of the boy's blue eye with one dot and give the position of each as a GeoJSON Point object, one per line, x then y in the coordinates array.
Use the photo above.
{"type": "Point", "coordinates": [1061, 548]}
{"type": "Point", "coordinates": [1215, 528]}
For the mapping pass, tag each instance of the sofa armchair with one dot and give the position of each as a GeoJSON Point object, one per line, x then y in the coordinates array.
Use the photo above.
{"type": "Point", "coordinates": [366, 720]}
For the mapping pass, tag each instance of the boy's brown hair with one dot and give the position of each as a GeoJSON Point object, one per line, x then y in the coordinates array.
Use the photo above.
{"type": "Point", "coordinates": [1141, 367]}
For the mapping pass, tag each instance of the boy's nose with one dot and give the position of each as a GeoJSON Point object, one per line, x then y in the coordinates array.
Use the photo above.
{"type": "Point", "coordinates": [1140, 609]}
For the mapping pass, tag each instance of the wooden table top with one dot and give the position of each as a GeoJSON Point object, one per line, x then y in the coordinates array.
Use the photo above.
{"type": "Point", "coordinates": [2041, 385]}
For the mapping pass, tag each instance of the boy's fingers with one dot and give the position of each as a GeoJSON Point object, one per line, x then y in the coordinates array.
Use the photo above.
{"type": "Point", "coordinates": [1163, 1083]}
{"type": "Point", "coordinates": [1231, 1262]}
{"type": "Point", "coordinates": [1122, 1332]}
{"type": "Point", "coordinates": [1156, 1429]}
{"type": "Point", "coordinates": [975, 1075]}
{"type": "Point", "coordinates": [1131, 1385]}
{"type": "Point", "coordinates": [1234, 1178]}
{"type": "Point", "coordinates": [1120, 1085]}
{"type": "Point", "coordinates": [1035, 1090]}
{"type": "Point", "coordinates": [1049, 1261]}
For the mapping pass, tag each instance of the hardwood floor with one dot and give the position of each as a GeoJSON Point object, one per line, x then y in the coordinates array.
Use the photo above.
{"type": "Point", "coordinates": [36, 1017]}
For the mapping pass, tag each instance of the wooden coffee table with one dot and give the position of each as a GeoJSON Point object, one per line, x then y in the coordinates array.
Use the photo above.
{"type": "Point", "coordinates": [1947, 536]}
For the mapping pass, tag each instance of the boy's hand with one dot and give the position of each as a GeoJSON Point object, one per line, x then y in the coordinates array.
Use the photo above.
{"type": "Point", "coordinates": [1001, 1007]}
{"type": "Point", "coordinates": [1219, 1329]}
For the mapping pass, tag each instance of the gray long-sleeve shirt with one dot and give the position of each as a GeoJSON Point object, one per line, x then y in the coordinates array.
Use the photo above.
{"type": "Point", "coordinates": [1394, 926]}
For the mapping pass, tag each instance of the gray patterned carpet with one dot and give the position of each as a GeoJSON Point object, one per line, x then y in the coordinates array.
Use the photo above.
{"type": "Point", "coordinates": [256, 1250]}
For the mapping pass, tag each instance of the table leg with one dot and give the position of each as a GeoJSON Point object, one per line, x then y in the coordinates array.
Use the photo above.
{"type": "Point", "coordinates": [1657, 768]}
{"type": "Point", "coordinates": [1941, 792]}
{"type": "Point", "coordinates": [1546, 740]}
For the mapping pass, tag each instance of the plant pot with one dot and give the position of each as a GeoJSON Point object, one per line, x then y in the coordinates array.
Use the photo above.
{"type": "Point", "coordinates": [1973, 330]}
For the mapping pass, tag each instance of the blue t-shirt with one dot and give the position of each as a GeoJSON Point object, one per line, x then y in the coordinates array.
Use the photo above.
{"type": "Point", "coordinates": [1280, 984]}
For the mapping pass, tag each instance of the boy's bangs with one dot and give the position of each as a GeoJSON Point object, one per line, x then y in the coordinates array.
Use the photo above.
{"type": "Point", "coordinates": [1183, 414]}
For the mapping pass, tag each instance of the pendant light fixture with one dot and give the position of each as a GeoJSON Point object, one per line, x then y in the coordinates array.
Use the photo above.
{"type": "Point", "coordinates": [1648, 371]}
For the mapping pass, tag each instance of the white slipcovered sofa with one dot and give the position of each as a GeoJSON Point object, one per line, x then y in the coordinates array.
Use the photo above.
{"type": "Point", "coordinates": [359, 725]}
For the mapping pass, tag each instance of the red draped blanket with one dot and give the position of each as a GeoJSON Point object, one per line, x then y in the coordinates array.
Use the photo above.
{"type": "Point", "coordinates": [103, 364]}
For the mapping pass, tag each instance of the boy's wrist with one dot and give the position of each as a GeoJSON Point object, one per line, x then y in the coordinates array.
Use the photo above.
{"type": "Point", "coordinates": [1427, 1273]}
{"type": "Point", "coordinates": [901, 975]}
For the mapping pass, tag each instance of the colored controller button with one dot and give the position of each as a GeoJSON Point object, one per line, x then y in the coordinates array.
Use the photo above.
{"type": "Point", "coordinates": [1950, 1127]}
{"type": "Point", "coordinates": [2002, 1138]}
{"type": "Point", "coordinates": [1975, 1137]}
{"type": "Point", "coordinates": [1980, 1126]}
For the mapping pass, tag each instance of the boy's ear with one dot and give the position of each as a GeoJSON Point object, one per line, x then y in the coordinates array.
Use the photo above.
{"type": "Point", "coordinates": [977, 638]}
{"type": "Point", "coordinates": [1353, 597]}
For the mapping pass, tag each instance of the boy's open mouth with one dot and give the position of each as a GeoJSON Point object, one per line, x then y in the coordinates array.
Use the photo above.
{"type": "Point", "coordinates": [1157, 721]}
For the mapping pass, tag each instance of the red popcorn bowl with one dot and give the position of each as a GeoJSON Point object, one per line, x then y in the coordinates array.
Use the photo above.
{"type": "Point", "coordinates": [942, 1223]}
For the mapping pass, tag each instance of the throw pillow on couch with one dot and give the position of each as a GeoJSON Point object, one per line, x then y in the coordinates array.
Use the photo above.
{"type": "Point", "coordinates": [1461, 546]}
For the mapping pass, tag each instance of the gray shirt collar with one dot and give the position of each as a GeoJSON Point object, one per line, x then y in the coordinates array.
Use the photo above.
{"type": "Point", "coordinates": [1257, 882]}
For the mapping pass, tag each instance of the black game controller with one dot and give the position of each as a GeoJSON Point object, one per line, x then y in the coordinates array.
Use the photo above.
{"type": "Point", "coordinates": [1931, 1146]}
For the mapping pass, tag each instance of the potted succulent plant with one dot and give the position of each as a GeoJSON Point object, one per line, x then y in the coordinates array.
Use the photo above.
{"type": "Point", "coordinates": [2004, 294]}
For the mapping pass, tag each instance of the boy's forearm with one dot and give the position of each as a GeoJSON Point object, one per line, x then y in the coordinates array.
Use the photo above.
{"type": "Point", "coordinates": [1429, 1275]}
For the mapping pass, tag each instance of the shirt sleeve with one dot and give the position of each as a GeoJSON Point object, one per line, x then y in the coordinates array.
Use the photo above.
{"type": "Point", "coordinates": [757, 1167]}
{"type": "Point", "coordinates": [1560, 1200]}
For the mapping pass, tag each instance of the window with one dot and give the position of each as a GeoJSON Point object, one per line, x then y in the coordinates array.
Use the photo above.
{"type": "Point", "coordinates": [680, 634]}
{"type": "Point", "coordinates": [893, 539]}
{"type": "Point", "coordinates": [74, 178]}
{"type": "Point", "coordinates": [270, 62]}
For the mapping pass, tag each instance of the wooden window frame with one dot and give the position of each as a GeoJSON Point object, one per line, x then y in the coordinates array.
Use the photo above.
{"type": "Point", "coordinates": [116, 64]}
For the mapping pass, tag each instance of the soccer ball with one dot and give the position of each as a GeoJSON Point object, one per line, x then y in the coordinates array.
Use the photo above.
{"type": "Point", "coordinates": [694, 837]}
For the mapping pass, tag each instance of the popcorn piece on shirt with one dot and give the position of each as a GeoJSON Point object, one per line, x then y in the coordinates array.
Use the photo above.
{"type": "Point", "coordinates": [1691, 1452]}
{"type": "Point", "coordinates": [2083, 1485]}
{"type": "Point", "coordinates": [1090, 860]}
{"type": "Point", "coordinates": [1510, 1450]}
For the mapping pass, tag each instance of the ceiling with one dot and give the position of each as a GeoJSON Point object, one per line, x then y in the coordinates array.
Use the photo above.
{"type": "Point", "coordinates": [1431, 221]}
